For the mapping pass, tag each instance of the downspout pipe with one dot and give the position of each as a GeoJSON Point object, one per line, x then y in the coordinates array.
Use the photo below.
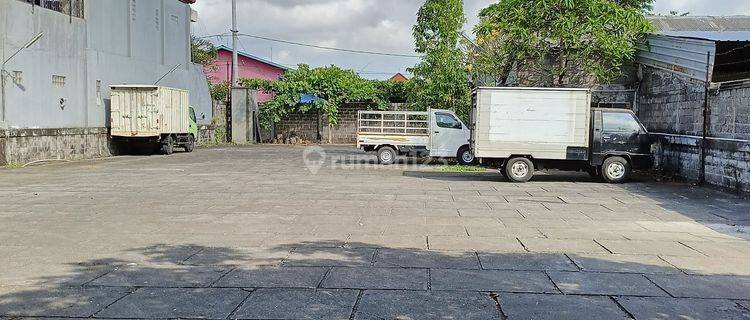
{"type": "Point", "coordinates": [706, 124]}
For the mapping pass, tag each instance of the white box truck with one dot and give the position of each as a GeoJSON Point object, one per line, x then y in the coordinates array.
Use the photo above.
{"type": "Point", "coordinates": [524, 129]}
{"type": "Point", "coordinates": [434, 133]}
{"type": "Point", "coordinates": [158, 116]}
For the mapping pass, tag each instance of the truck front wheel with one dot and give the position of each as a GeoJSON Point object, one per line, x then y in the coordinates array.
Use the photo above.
{"type": "Point", "coordinates": [465, 156]}
{"type": "Point", "coordinates": [615, 169]}
{"type": "Point", "coordinates": [386, 155]}
{"type": "Point", "coordinates": [519, 169]}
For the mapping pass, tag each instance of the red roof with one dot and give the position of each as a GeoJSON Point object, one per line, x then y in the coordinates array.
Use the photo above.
{"type": "Point", "coordinates": [398, 78]}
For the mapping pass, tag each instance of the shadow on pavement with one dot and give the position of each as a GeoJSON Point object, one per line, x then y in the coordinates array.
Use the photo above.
{"type": "Point", "coordinates": [324, 280]}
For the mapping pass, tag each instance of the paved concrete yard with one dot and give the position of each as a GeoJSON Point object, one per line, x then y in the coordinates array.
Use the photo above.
{"type": "Point", "coordinates": [251, 233]}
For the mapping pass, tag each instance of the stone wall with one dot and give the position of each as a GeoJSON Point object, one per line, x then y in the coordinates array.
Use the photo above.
{"type": "Point", "coordinates": [305, 125]}
{"type": "Point", "coordinates": [20, 146]}
{"type": "Point", "coordinates": [671, 106]}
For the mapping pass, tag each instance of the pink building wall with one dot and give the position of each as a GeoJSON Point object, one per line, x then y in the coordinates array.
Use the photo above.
{"type": "Point", "coordinates": [221, 71]}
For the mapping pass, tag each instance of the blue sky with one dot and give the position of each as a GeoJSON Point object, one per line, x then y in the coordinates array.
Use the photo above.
{"type": "Point", "coordinates": [374, 25]}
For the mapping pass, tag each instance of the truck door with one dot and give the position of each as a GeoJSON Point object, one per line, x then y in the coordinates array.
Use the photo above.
{"type": "Point", "coordinates": [447, 134]}
{"type": "Point", "coordinates": [620, 133]}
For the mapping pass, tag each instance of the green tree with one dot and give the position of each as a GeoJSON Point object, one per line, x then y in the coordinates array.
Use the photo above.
{"type": "Point", "coordinates": [440, 80]}
{"type": "Point", "coordinates": [203, 51]}
{"type": "Point", "coordinates": [332, 86]}
{"type": "Point", "coordinates": [643, 5]}
{"type": "Point", "coordinates": [559, 43]}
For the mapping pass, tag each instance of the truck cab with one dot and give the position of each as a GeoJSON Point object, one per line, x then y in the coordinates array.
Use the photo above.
{"type": "Point", "coordinates": [448, 135]}
{"type": "Point", "coordinates": [617, 133]}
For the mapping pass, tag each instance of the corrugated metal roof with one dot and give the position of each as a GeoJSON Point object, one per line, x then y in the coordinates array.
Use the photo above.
{"type": "Point", "coordinates": [710, 35]}
{"type": "Point", "coordinates": [700, 23]}
{"type": "Point", "coordinates": [688, 57]}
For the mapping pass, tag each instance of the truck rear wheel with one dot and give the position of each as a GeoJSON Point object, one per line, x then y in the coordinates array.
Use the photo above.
{"type": "Point", "coordinates": [190, 144]}
{"type": "Point", "coordinates": [386, 155]}
{"type": "Point", "coordinates": [519, 169]}
{"type": "Point", "coordinates": [167, 145]}
{"type": "Point", "coordinates": [465, 156]}
{"type": "Point", "coordinates": [615, 169]}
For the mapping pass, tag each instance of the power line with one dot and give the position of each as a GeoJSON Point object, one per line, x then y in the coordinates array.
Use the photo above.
{"type": "Point", "coordinates": [376, 53]}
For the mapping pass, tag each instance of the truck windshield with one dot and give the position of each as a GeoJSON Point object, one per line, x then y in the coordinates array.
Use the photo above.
{"type": "Point", "coordinates": [446, 120]}
{"type": "Point", "coordinates": [620, 122]}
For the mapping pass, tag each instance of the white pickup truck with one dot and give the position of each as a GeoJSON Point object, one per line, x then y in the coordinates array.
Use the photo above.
{"type": "Point", "coordinates": [434, 133]}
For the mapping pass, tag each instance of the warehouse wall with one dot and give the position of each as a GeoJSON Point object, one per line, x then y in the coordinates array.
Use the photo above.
{"type": "Point", "coordinates": [118, 42]}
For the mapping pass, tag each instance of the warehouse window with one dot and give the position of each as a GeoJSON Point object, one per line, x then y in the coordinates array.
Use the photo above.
{"type": "Point", "coordinates": [58, 81]}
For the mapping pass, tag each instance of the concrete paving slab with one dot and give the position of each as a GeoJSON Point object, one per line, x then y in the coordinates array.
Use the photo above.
{"type": "Point", "coordinates": [467, 244]}
{"type": "Point", "coordinates": [394, 304]}
{"type": "Point", "coordinates": [605, 284]}
{"type": "Point", "coordinates": [160, 276]}
{"type": "Point", "coordinates": [716, 287]}
{"type": "Point", "coordinates": [390, 241]}
{"type": "Point", "coordinates": [667, 248]}
{"type": "Point", "coordinates": [330, 257]}
{"type": "Point", "coordinates": [670, 308]}
{"type": "Point", "coordinates": [734, 249]}
{"type": "Point", "coordinates": [245, 257]}
{"type": "Point", "coordinates": [559, 245]}
{"type": "Point", "coordinates": [376, 278]}
{"type": "Point", "coordinates": [623, 263]}
{"type": "Point", "coordinates": [267, 277]}
{"type": "Point", "coordinates": [554, 307]}
{"type": "Point", "coordinates": [298, 304]}
{"type": "Point", "coordinates": [394, 258]}
{"type": "Point", "coordinates": [176, 302]}
{"type": "Point", "coordinates": [56, 302]}
{"type": "Point", "coordinates": [491, 280]}
{"type": "Point", "coordinates": [711, 265]}
{"type": "Point", "coordinates": [526, 261]}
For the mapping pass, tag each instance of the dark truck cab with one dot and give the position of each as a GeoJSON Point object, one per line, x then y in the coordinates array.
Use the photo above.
{"type": "Point", "coordinates": [618, 134]}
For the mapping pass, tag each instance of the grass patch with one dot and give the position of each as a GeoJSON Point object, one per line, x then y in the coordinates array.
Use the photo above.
{"type": "Point", "coordinates": [461, 168]}
{"type": "Point", "coordinates": [12, 166]}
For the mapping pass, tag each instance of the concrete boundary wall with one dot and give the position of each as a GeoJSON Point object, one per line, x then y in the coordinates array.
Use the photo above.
{"type": "Point", "coordinates": [672, 105]}
{"type": "Point", "coordinates": [20, 146]}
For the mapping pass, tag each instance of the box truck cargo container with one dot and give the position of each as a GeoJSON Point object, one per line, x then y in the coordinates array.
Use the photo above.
{"type": "Point", "coordinates": [524, 129]}
{"type": "Point", "coordinates": [434, 133]}
{"type": "Point", "coordinates": [159, 116]}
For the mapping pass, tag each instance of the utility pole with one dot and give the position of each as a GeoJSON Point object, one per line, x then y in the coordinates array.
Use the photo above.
{"type": "Point", "coordinates": [235, 69]}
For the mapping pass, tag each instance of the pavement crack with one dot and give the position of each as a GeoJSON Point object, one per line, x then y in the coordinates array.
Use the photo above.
{"type": "Point", "coordinates": [601, 245]}
{"type": "Point", "coordinates": [134, 289]}
{"type": "Point", "coordinates": [658, 286]}
{"type": "Point", "coordinates": [220, 277]}
{"type": "Point", "coordinates": [325, 275]}
{"type": "Point", "coordinates": [356, 304]}
{"type": "Point", "coordinates": [622, 307]}
{"type": "Point", "coordinates": [522, 245]}
{"type": "Point", "coordinates": [229, 316]}
{"type": "Point", "coordinates": [496, 297]}
{"type": "Point", "coordinates": [573, 261]}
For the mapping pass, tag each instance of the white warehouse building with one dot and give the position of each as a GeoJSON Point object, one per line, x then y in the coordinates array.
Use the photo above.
{"type": "Point", "coordinates": [55, 98]}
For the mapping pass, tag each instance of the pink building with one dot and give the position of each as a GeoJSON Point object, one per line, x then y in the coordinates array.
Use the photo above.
{"type": "Point", "coordinates": [250, 66]}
